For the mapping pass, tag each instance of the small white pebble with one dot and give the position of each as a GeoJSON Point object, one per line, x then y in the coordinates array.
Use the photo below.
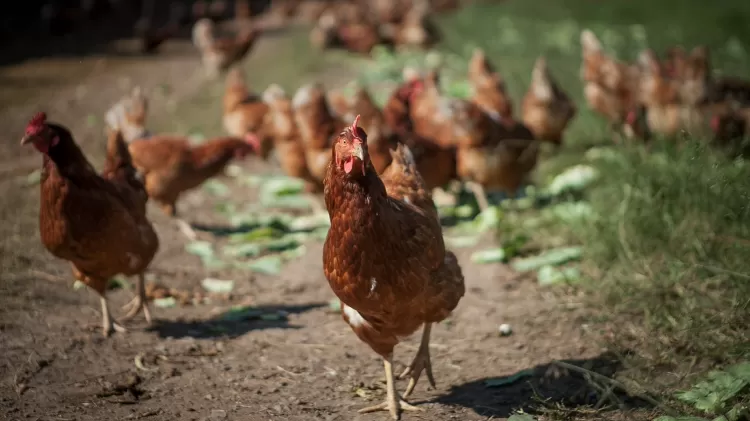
{"type": "Point", "coordinates": [505, 329]}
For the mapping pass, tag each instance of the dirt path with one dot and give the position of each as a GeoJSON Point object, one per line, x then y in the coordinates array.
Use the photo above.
{"type": "Point", "coordinates": [305, 366]}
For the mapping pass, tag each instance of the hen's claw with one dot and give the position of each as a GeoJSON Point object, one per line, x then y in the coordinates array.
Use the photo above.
{"type": "Point", "coordinates": [108, 325]}
{"type": "Point", "coordinates": [420, 363]}
{"type": "Point", "coordinates": [139, 302]}
{"type": "Point", "coordinates": [394, 406]}
{"type": "Point", "coordinates": [394, 403]}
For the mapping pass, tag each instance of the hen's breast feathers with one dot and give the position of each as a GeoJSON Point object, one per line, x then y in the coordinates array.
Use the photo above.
{"type": "Point", "coordinates": [386, 259]}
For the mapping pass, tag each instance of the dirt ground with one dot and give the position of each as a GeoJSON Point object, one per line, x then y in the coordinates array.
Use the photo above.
{"type": "Point", "coordinates": [307, 366]}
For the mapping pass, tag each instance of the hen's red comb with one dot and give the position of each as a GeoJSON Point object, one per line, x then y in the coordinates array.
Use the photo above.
{"type": "Point", "coordinates": [38, 119]}
{"type": "Point", "coordinates": [716, 123]}
{"type": "Point", "coordinates": [355, 125]}
{"type": "Point", "coordinates": [36, 122]}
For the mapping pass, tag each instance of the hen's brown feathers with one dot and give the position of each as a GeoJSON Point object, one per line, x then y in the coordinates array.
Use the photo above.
{"type": "Point", "coordinates": [85, 218]}
{"type": "Point", "coordinates": [385, 259]}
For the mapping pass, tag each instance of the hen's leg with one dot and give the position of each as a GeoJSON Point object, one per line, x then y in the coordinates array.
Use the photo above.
{"type": "Point", "coordinates": [421, 362]}
{"type": "Point", "coordinates": [139, 302]}
{"type": "Point", "coordinates": [108, 325]}
{"type": "Point", "coordinates": [479, 193]}
{"type": "Point", "coordinates": [394, 403]}
{"type": "Point", "coordinates": [184, 227]}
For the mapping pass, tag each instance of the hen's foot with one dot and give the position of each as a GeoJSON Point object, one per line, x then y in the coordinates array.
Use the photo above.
{"type": "Point", "coordinates": [420, 363]}
{"type": "Point", "coordinates": [186, 229]}
{"type": "Point", "coordinates": [394, 405]}
{"type": "Point", "coordinates": [109, 325]}
{"type": "Point", "coordinates": [138, 303]}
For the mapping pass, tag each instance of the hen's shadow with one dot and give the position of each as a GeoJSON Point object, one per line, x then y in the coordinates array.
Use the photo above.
{"type": "Point", "coordinates": [234, 322]}
{"type": "Point", "coordinates": [546, 384]}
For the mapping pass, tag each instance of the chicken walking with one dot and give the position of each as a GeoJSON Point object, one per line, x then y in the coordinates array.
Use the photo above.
{"type": "Point", "coordinates": [386, 261]}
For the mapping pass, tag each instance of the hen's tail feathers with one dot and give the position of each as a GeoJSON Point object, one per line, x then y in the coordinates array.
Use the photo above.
{"type": "Point", "coordinates": [117, 148]}
{"type": "Point", "coordinates": [541, 83]}
{"type": "Point", "coordinates": [589, 42]}
{"type": "Point", "coordinates": [273, 93]}
{"type": "Point", "coordinates": [403, 156]}
{"type": "Point", "coordinates": [203, 35]}
{"type": "Point", "coordinates": [307, 94]}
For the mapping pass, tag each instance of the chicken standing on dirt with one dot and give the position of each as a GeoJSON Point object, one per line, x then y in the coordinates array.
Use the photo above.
{"type": "Point", "coordinates": [386, 261]}
{"type": "Point", "coordinates": [171, 166]}
{"type": "Point", "coordinates": [244, 111]}
{"type": "Point", "coordinates": [98, 223]}
{"type": "Point", "coordinates": [219, 53]}
{"type": "Point", "coordinates": [129, 115]}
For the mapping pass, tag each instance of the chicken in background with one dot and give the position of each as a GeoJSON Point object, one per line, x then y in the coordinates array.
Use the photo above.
{"type": "Point", "coordinates": [338, 103]}
{"type": "Point", "coordinates": [667, 114]}
{"type": "Point", "coordinates": [129, 114]}
{"type": "Point", "coordinates": [325, 32]}
{"type": "Point", "coordinates": [435, 162]}
{"type": "Point", "coordinates": [489, 91]}
{"type": "Point", "coordinates": [96, 222]}
{"type": "Point", "coordinates": [170, 166]}
{"type": "Point", "coordinates": [153, 37]}
{"type": "Point", "coordinates": [379, 140]}
{"type": "Point", "coordinates": [219, 53]}
{"type": "Point", "coordinates": [546, 109]}
{"type": "Point", "coordinates": [244, 111]}
{"type": "Point", "coordinates": [414, 29]}
{"type": "Point", "coordinates": [214, 10]}
{"type": "Point", "coordinates": [610, 87]}
{"type": "Point", "coordinates": [317, 127]}
{"type": "Point", "coordinates": [403, 181]}
{"type": "Point", "coordinates": [386, 261]}
{"type": "Point", "coordinates": [287, 142]}
{"type": "Point", "coordinates": [357, 33]}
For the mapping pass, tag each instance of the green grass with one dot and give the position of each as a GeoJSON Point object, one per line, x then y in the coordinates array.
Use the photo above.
{"type": "Point", "coordinates": [667, 246]}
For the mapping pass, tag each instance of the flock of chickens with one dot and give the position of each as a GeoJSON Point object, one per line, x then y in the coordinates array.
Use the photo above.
{"type": "Point", "coordinates": [384, 256]}
{"type": "Point", "coordinates": [678, 94]}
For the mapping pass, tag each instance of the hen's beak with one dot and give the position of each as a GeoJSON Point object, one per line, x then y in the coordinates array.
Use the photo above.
{"type": "Point", "coordinates": [25, 140]}
{"type": "Point", "coordinates": [358, 151]}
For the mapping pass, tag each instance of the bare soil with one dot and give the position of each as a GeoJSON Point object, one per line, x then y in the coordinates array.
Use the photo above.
{"type": "Point", "coordinates": [54, 364]}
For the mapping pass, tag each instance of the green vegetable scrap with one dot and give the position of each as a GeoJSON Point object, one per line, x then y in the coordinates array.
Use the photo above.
{"type": "Point", "coordinates": [548, 275]}
{"type": "Point", "coordinates": [552, 257]}
{"type": "Point", "coordinates": [218, 286]}
{"type": "Point", "coordinates": [504, 381]}
{"type": "Point", "coordinates": [575, 178]}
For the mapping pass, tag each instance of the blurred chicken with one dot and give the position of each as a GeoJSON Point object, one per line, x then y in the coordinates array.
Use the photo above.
{"type": "Point", "coordinates": [290, 151]}
{"type": "Point", "coordinates": [610, 87]}
{"type": "Point", "coordinates": [317, 127]}
{"type": "Point", "coordinates": [129, 115]}
{"type": "Point", "coordinates": [218, 54]}
{"type": "Point", "coordinates": [414, 28]}
{"type": "Point", "coordinates": [492, 155]}
{"type": "Point", "coordinates": [379, 141]}
{"type": "Point", "coordinates": [170, 165]}
{"type": "Point", "coordinates": [546, 108]}
{"type": "Point", "coordinates": [244, 112]}
{"type": "Point", "coordinates": [489, 89]}
{"type": "Point", "coordinates": [436, 162]}
{"type": "Point", "coordinates": [338, 103]}
{"type": "Point", "coordinates": [325, 32]}
{"type": "Point", "coordinates": [152, 37]}
{"type": "Point", "coordinates": [666, 113]}
{"type": "Point", "coordinates": [403, 181]}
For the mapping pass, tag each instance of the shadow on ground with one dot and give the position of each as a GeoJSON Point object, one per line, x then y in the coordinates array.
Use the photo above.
{"type": "Point", "coordinates": [543, 385]}
{"type": "Point", "coordinates": [233, 323]}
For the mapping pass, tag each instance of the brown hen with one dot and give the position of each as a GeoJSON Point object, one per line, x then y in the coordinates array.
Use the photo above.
{"type": "Point", "coordinates": [546, 108]}
{"type": "Point", "coordinates": [97, 223]}
{"type": "Point", "coordinates": [386, 261]}
{"type": "Point", "coordinates": [219, 53]}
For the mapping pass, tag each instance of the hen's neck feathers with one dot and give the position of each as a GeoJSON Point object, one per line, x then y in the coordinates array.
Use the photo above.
{"type": "Point", "coordinates": [345, 194]}
{"type": "Point", "coordinates": [66, 156]}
